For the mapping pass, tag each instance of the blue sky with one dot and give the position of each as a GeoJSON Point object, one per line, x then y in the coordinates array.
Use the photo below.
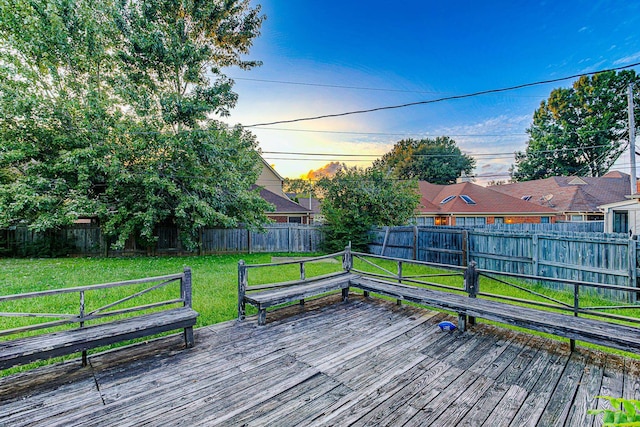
{"type": "Point", "coordinates": [384, 53]}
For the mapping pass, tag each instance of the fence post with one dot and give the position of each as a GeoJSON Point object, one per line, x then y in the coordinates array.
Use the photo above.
{"type": "Point", "coordinates": [633, 272]}
{"type": "Point", "coordinates": [465, 248]}
{"type": "Point", "coordinates": [415, 242]}
{"type": "Point", "coordinates": [535, 254]}
{"type": "Point", "coordinates": [302, 277]}
{"type": "Point", "coordinates": [576, 307]}
{"type": "Point", "coordinates": [185, 286]}
{"type": "Point", "coordinates": [471, 286]}
{"type": "Point", "coordinates": [347, 259]}
{"type": "Point", "coordinates": [399, 301]}
{"type": "Point", "coordinates": [84, 353]}
{"type": "Point", "coordinates": [242, 288]}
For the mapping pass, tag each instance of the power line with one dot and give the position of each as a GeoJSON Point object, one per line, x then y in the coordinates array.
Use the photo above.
{"type": "Point", "coordinates": [405, 134]}
{"type": "Point", "coordinates": [377, 89]}
{"type": "Point", "coordinates": [446, 98]}
{"type": "Point", "coordinates": [286, 82]}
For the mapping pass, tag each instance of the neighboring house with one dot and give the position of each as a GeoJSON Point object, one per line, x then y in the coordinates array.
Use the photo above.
{"type": "Point", "coordinates": [467, 204]}
{"type": "Point", "coordinates": [286, 210]}
{"type": "Point", "coordinates": [573, 198]}
{"type": "Point", "coordinates": [313, 205]}
{"type": "Point", "coordinates": [622, 217]}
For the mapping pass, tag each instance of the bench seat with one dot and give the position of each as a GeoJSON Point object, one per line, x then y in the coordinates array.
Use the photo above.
{"type": "Point", "coordinates": [296, 291]}
{"type": "Point", "coordinates": [622, 337]}
{"type": "Point", "coordinates": [40, 347]}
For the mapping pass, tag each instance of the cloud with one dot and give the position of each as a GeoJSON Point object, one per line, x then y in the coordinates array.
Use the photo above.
{"type": "Point", "coordinates": [634, 57]}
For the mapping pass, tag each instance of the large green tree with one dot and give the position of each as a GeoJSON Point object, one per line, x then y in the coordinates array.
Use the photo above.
{"type": "Point", "coordinates": [580, 130]}
{"type": "Point", "coordinates": [107, 109]}
{"type": "Point", "coordinates": [438, 161]}
{"type": "Point", "coordinates": [355, 200]}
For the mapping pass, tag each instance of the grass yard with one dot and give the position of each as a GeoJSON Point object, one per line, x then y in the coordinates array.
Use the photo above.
{"type": "Point", "coordinates": [214, 282]}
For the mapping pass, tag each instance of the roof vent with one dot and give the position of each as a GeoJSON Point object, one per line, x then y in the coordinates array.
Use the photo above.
{"type": "Point", "coordinates": [577, 181]}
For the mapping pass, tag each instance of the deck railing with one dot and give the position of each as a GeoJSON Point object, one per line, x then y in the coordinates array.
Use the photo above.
{"type": "Point", "coordinates": [82, 315]}
{"type": "Point", "coordinates": [574, 302]}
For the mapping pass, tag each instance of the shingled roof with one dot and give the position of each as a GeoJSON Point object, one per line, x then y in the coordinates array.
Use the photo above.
{"type": "Point", "coordinates": [282, 204]}
{"type": "Point", "coordinates": [571, 193]}
{"type": "Point", "coordinates": [469, 198]}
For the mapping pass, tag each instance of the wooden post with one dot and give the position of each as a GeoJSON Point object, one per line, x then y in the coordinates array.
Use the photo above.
{"type": "Point", "coordinates": [465, 248]}
{"type": "Point", "coordinates": [242, 288]}
{"type": "Point", "coordinates": [262, 316]}
{"type": "Point", "coordinates": [302, 277]}
{"type": "Point", "coordinates": [633, 272]}
{"type": "Point", "coordinates": [471, 285]}
{"type": "Point", "coordinates": [347, 259]}
{"type": "Point", "coordinates": [84, 353]}
{"type": "Point", "coordinates": [399, 301]}
{"type": "Point", "coordinates": [415, 242]}
{"type": "Point", "coordinates": [186, 291]}
{"type": "Point", "coordinates": [535, 254]}
{"type": "Point", "coordinates": [384, 243]}
{"type": "Point", "coordinates": [576, 307]}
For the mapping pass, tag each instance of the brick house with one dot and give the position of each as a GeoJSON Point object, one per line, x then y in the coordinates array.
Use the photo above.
{"type": "Point", "coordinates": [572, 198]}
{"type": "Point", "coordinates": [467, 204]}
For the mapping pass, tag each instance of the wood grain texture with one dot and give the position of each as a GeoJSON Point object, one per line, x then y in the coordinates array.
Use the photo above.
{"type": "Point", "coordinates": [366, 362]}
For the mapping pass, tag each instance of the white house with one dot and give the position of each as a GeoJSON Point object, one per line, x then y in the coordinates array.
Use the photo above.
{"type": "Point", "coordinates": [622, 217]}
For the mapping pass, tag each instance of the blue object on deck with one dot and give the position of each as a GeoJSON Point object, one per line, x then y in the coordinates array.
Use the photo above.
{"type": "Point", "coordinates": [447, 326]}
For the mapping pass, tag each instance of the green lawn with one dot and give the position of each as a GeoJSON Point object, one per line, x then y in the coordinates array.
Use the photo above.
{"type": "Point", "coordinates": [214, 281]}
{"type": "Point", "coordinates": [214, 278]}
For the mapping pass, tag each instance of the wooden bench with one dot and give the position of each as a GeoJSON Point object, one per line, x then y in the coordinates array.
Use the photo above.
{"type": "Point", "coordinates": [595, 331]}
{"type": "Point", "coordinates": [269, 295]}
{"type": "Point", "coordinates": [111, 325]}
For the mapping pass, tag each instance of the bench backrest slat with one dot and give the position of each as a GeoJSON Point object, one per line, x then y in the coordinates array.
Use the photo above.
{"type": "Point", "coordinates": [170, 277]}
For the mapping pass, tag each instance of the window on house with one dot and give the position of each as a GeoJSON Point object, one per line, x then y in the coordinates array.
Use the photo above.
{"type": "Point", "coordinates": [498, 220]}
{"type": "Point", "coordinates": [468, 200]}
{"type": "Point", "coordinates": [447, 199]}
{"type": "Point", "coordinates": [471, 220]}
{"type": "Point", "coordinates": [620, 221]}
{"type": "Point", "coordinates": [295, 220]}
{"type": "Point", "coordinates": [545, 220]}
{"type": "Point", "coordinates": [577, 218]}
{"type": "Point", "coordinates": [421, 220]}
{"type": "Point", "coordinates": [526, 198]}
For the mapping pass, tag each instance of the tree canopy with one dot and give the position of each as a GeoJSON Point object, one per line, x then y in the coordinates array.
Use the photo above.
{"type": "Point", "coordinates": [438, 161]}
{"type": "Point", "coordinates": [580, 130]}
{"type": "Point", "coordinates": [107, 109]}
{"type": "Point", "coordinates": [355, 200]}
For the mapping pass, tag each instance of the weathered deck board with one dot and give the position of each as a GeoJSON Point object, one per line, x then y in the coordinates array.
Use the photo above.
{"type": "Point", "coordinates": [365, 362]}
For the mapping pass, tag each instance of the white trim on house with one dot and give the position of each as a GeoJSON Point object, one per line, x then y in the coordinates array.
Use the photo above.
{"type": "Point", "coordinates": [631, 207]}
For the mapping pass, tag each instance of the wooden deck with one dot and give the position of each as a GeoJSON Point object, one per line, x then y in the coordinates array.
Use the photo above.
{"type": "Point", "coordinates": [365, 362]}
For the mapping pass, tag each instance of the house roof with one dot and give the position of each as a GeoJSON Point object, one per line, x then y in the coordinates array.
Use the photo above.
{"type": "Point", "coordinates": [282, 204]}
{"type": "Point", "coordinates": [315, 204]}
{"type": "Point", "coordinates": [571, 193]}
{"type": "Point", "coordinates": [469, 198]}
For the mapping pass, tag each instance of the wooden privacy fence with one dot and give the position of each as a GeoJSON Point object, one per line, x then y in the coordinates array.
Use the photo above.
{"type": "Point", "coordinates": [590, 257]}
{"type": "Point", "coordinates": [86, 239]}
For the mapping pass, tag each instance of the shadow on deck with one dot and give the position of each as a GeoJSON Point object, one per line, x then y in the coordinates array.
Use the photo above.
{"type": "Point", "coordinates": [327, 363]}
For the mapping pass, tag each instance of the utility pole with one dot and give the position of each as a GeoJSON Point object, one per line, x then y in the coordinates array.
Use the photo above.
{"type": "Point", "coordinates": [632, 141]}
